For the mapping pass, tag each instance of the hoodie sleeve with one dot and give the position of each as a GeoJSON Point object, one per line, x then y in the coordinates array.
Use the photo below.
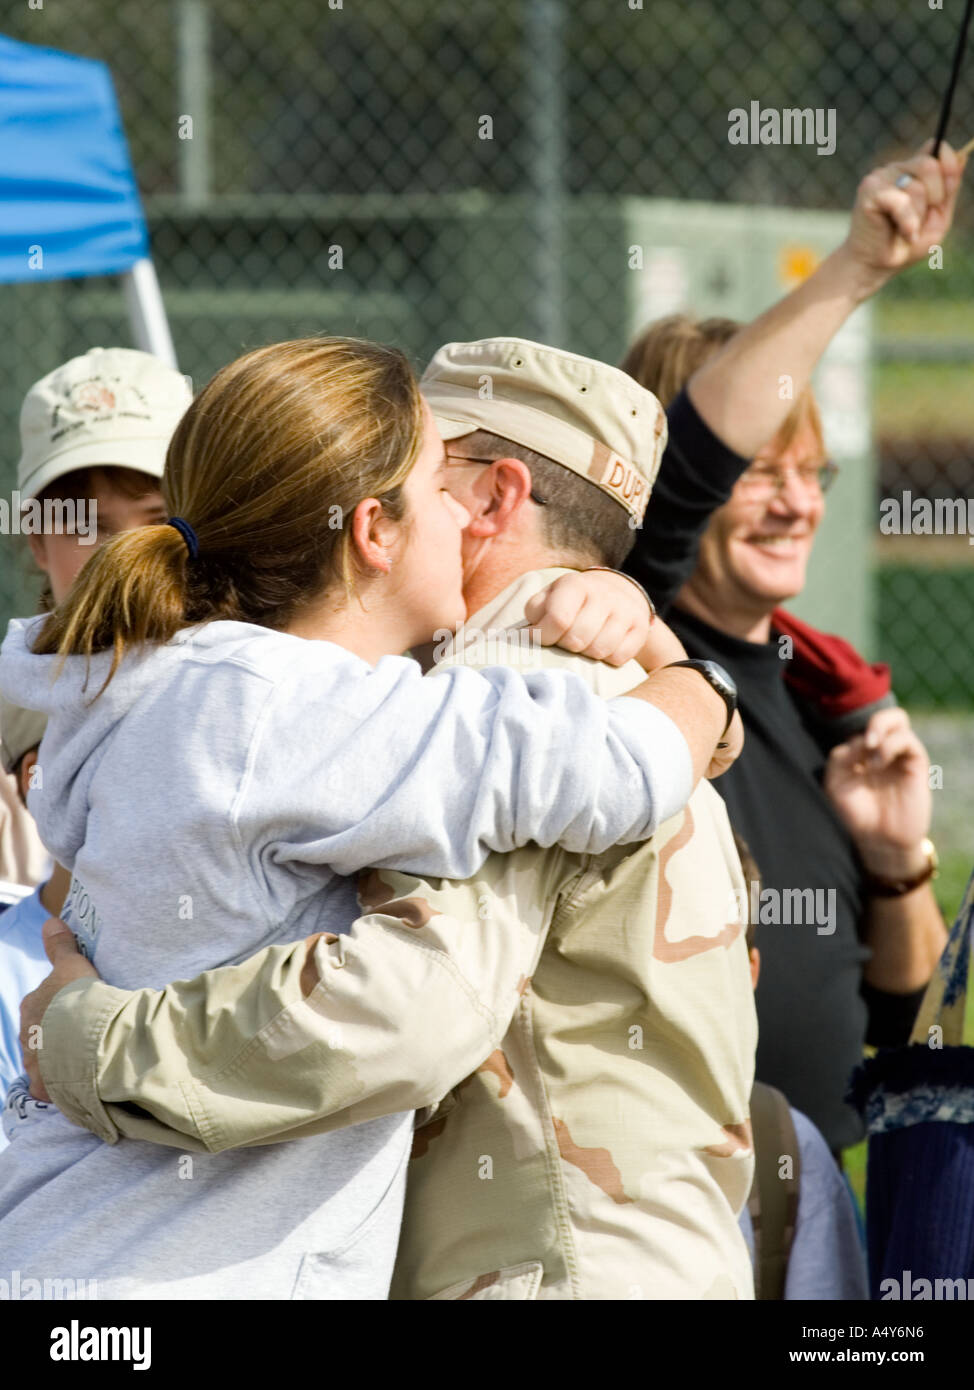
{"type": "Point", "coordinates": [429, 775]}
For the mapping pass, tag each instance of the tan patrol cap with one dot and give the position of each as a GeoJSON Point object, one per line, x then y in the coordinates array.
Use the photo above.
{"type": "Point", "coordinates": [592, 418]}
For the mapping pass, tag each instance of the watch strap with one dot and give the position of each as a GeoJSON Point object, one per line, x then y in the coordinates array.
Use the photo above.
{"type": "Point", "coordinates": [730, 703]}
{"type": "Point", "coordinates": [878, 887]}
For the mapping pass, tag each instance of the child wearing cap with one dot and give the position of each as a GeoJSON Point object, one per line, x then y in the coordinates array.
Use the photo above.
{"type": "Point", "coordinates": [94, 434]}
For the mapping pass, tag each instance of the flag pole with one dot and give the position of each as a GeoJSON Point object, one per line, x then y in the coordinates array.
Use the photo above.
{"type": "Point", "coordinates": [955, 73]}
{"type": "Point", "coordinates": [147, 313]}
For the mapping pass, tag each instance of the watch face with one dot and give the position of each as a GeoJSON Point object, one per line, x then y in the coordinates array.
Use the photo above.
{"type": "Point", "coordinates": [725, 679]}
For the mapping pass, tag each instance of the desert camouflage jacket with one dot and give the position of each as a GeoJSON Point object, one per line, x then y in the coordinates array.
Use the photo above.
{"type": "Point", "coordinates": [598, 1007]}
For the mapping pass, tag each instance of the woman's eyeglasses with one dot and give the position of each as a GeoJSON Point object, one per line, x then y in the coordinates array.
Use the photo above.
{"type": "Point", "coordinates": [768, 480]}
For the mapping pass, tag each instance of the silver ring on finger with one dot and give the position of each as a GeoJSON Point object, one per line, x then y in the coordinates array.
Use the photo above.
{"type": "Point", "coordinates": [904, 180]}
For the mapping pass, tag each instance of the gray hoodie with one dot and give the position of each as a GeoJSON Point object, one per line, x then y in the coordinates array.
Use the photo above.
{"type": "Point", "coordinates": [217, 797]}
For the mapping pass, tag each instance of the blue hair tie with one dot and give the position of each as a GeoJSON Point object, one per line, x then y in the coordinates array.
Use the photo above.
{"type": "Point", "coordinates": [188, 535]}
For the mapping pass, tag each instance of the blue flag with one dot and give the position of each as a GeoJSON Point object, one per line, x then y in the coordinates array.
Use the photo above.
{"type": "Point", "coordinates": [68, 200]}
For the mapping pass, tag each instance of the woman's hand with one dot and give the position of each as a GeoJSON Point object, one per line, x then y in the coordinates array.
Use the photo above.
{"type": "Point", "coordinates": [594, 613]}
{"type": "Point", "coordinates": [879, 784]}
{"type": "Point", "coordinates": [69, 964]}
{"type": "Point", "coordinates": [895, 226]}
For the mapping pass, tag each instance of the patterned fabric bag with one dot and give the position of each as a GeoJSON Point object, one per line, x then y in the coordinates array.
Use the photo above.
{"type": "Point", "coordinates": [918, 1105]}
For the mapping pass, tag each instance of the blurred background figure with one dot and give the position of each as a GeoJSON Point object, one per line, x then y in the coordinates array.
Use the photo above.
{"type": "Point", "coordinates": [835, 824]}
{"type": "Point", "coordinates": [94, 434]}
{"type": "Point", "coordinates": [800, 1223]}
{"type": "Point", "coordinates": [93, 437]}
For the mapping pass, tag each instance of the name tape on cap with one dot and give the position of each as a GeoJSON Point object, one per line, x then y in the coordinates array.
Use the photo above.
{"type": "Point", "coordinates": [619, 478]}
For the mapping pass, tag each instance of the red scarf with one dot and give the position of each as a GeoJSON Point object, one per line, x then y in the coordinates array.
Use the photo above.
{"type": "Point", "coordinates": [827, 671]}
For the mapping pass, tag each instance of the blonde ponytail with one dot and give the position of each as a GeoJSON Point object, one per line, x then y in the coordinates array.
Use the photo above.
{"type": "Point", "coordinates": [133, 590]}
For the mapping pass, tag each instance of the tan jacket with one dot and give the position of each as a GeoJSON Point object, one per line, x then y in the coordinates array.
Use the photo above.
{"type": "Point", "coordinates": [602, 1149]}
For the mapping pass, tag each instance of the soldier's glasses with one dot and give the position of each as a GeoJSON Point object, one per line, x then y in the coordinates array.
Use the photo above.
{"type": "Point", "coordinates": [465, 458]}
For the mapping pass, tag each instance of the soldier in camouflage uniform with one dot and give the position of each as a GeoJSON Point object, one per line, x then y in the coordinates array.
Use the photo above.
{"type": "Point", "coordinates": [599, 1007]}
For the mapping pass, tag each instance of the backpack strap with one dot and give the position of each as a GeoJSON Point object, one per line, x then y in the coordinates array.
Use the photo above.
{"type": "Point", "coordinates": [773, 1203]}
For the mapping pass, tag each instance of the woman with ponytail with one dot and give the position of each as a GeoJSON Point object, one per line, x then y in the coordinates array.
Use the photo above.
{"type": "Point", "coordinates": [232, 734]}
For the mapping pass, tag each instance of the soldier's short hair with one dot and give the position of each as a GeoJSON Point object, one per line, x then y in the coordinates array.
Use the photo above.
{"type": "Point", "coordinates": [578, 518]}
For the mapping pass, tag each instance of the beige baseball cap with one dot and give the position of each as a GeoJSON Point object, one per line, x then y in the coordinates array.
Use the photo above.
{"type": "Point", "coordinates": [583, 414]}
{"type": "Point", "coordinates": [20, 731]}
{"type": "Point", "coordinates": [112, 407]}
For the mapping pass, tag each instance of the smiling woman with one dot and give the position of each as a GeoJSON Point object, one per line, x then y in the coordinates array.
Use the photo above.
{"type": "Point", "coordinates": [820, 815]}
{"type": "Point", "coordinates": [755, 552]}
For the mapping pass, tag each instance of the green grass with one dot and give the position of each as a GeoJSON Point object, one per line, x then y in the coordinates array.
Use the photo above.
{"type": "Point", "coordinates": [855, 1167]}
{"type": "Point", "coordinates": [930, 320]}
{"type": "Point", "coordinates": [948, 887]}
{"type": "Point", "coordinates": [911, 398]}
{"type": "Point", "coordinates": [919, 397]}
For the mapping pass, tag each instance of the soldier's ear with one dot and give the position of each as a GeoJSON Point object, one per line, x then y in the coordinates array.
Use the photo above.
{"type": "Point", "coordinates": [509, 483]}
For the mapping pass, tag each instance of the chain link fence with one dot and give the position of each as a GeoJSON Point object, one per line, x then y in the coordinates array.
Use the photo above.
{"type": "Point", "coordinates": [423, 170]}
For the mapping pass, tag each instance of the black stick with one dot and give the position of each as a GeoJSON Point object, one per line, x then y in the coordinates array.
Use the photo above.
{"type": "Point", "coordinates": [949, 98]}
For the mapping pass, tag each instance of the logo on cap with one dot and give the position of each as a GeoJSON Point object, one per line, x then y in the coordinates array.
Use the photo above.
{"type": "Point", "coordinates": [91, 395]}
{"type": "Point", "coordinates": [93, 401]}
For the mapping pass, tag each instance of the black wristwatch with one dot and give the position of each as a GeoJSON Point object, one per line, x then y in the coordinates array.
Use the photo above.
{"type": "Point", "coordinates": [721, 680]}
